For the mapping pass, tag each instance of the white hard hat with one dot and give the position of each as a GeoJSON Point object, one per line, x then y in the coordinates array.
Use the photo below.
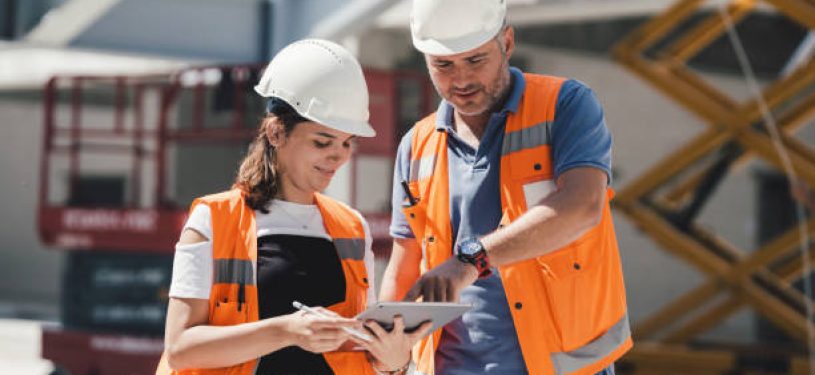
{"type": "Point", "coordinates": [448, 27]}
{"type": "Point", "coordinates": [323, 82]}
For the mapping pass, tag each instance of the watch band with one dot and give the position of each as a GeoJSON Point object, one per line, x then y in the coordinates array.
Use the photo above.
{"type": "Point", "coordinates": [479, 258]}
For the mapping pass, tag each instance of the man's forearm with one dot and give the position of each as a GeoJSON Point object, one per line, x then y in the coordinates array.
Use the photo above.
{"type": "Point", "coordinates": [558, 220]}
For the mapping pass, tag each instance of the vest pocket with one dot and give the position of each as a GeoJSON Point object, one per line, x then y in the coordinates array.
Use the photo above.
{"type": "Point", "coordinates": [416, 218]}
{"type": "Point", "coordinates": [356, 288]}
{"type": "Point", "coordinates": [535, 181]}
{"type": "Point", "coordinates": [573, 287]}
{"type": "Point", "coordinates": [360, 276]}
{"type": "Point", "coordinates": [228, 313]}
{"type": "Point", "coordinates": [536, 191]}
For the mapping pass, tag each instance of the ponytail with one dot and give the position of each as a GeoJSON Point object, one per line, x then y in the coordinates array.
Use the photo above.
{"type": "Point", "coordinates": [258, 176]}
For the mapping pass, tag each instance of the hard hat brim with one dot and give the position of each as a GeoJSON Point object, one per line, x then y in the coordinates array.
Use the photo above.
{"type": "Point", "coordinates": [453, 46]}
{"type": "Point", "coordinates": [360, 129]}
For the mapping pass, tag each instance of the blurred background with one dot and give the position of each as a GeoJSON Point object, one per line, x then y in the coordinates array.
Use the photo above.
{"type": "Point", "coordinates": [115, 114]}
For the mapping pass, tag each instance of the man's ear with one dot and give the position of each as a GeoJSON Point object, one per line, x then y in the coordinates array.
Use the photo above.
{"type": "Point", "coordinates": [509, 40]}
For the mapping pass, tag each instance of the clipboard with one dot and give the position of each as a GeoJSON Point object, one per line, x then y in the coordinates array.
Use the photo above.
{"type": "Point", "coordinates": [414, 313]}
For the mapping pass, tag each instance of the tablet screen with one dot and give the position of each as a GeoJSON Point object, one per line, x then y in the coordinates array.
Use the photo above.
{"type": "Point", "coordinates": [414, 313]}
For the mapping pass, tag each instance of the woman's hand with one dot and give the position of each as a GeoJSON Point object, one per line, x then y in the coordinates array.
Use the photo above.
{"type": "Point", "coordinates": [319, 334]}
{"type": "Point", "coordinates": [391, 350]}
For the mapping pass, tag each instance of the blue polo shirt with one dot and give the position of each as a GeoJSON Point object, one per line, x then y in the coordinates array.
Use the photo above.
{"type": "Point", "coordinates": [483, 340]}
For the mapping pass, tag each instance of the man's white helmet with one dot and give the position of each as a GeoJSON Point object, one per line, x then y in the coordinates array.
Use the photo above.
{"type": "Point", "coordinates": [323, 82]}
{"type": "Point", "coordinates": [448, 27]}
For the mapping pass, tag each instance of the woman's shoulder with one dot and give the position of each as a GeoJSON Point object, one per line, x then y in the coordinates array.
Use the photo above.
{"type": "Point", "coordinates": [333, 204]}
{"type": "Point", "coordinates": [223, 196]}
{"type": "Point", "coordinates": [225, 201]}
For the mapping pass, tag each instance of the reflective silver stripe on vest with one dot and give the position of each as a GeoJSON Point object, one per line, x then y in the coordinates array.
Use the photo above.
{"type": "Point", "coordinates": [234, 271]}
{"type": "Point", "coordinates": [530, 137]}
{"type": "Point", "coordinates": [422, 168]}
{"type": "Point", "coordinates": [350, 248]}
{"type": "Point", "coordinates": [594, 351]}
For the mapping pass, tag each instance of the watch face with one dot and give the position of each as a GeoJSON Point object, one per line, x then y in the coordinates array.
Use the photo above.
{"type": "Point", "coordinates": [470, 247]}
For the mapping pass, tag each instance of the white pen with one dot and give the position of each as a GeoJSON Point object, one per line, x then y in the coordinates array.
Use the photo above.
{"type": "Point", "coordinates": [352, 331]}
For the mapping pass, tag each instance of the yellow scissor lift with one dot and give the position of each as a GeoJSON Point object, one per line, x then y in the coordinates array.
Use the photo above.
{"type": "Point", "coordinates": [664, 201]}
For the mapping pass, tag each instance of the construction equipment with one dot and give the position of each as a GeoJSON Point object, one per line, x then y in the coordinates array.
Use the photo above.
{"type": "Point", "coordinates": [665, 201]}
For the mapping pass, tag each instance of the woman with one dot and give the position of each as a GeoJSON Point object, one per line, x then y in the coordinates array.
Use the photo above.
{"type": "Point", "coordinates": [247, 254]}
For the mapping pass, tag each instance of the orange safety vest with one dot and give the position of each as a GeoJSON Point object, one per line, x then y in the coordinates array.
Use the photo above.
{"type": "Point", "coordinates": [234, 298]}
{"type": "Point", "coordinates": [568, 306]}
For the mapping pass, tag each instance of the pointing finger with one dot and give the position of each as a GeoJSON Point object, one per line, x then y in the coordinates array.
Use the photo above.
{"type": "Point", "coordinates": [414, 292]}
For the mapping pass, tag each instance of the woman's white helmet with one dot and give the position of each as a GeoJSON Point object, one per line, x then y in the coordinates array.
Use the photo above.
{"type": "Point", "coordinates": [323, 82]}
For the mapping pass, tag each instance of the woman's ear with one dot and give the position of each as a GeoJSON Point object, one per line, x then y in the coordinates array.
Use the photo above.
{"type": "Point", "coordinates": [274, 130]}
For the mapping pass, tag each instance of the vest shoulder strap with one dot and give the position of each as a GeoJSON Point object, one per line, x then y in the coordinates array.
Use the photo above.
{"type": "Point", "coordinates": [424, 127]}
{"type": "Point", "coordinates": [230, 199]}
{"type": "Point", "coordinates": [538, 104]}
{"type": "Point", "coordinates": [340, 219]}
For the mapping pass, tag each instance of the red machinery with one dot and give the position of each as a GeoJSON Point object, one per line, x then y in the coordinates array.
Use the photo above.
{"type": "Point", "coordinates": [123, 156]}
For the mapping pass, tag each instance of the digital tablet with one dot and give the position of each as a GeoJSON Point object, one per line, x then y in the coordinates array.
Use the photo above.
{"type": "Point", "coordinates": [414, 313]}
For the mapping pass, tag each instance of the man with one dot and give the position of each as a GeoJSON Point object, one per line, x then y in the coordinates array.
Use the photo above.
{"type": "Point", "coordinates": [501, 200]}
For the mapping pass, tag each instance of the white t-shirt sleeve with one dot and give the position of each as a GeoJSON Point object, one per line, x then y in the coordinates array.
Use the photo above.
{"type": "Point", "coordinates": [200, 220]}
{"type": "Point", "coordinates": [368, 259]}
{"type": "Point", "coordinates": [192, 263]}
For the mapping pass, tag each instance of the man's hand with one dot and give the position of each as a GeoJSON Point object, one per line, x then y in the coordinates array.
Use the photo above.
{"type": "Point", "coordinates": [443, 283]}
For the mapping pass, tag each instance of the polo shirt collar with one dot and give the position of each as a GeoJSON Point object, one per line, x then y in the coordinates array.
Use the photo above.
{"type": "Point", "coordinates": [517, 85]}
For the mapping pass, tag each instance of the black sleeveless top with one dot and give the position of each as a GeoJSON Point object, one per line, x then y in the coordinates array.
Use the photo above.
{"type": "Point", "coordinates": [289, 268]}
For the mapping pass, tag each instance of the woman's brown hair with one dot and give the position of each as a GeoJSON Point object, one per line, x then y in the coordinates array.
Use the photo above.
{"type": "Point", "coordinates": [258, 176]}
